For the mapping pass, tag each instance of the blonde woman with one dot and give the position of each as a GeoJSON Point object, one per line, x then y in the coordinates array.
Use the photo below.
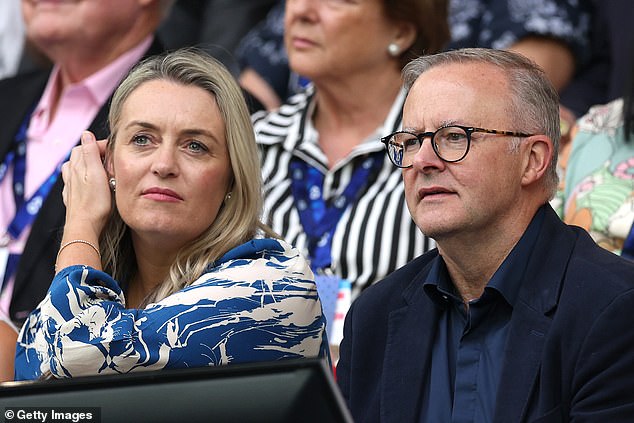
{"type": "Point", "coordinates": [164, 262]}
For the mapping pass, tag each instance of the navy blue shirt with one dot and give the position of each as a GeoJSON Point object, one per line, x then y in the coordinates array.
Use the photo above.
{"type": "Point", "coordinates": [469, 344]}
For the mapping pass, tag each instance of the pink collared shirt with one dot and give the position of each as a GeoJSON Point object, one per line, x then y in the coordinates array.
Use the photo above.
{"type": "Point", "coordinates": [49, 140]}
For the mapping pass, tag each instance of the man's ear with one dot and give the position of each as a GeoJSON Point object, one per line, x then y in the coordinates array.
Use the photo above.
{"type": "Point", "coordinates": [539, 155]}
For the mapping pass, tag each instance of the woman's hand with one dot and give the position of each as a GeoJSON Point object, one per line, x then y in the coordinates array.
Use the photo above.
{"type": "Point", "coordinates": [86, 192]}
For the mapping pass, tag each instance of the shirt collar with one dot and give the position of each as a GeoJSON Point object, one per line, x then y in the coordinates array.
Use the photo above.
{"type": "Point", "coordinates": [307, 139]}
{"type": "Point", "coordinates": [391, 123]}
{"type": "Point", "coordinates": [99, 85]}
{"type": "Point", "coordinates": [438, 285]}
{"type": "Point", "coordinates": [506, 280]}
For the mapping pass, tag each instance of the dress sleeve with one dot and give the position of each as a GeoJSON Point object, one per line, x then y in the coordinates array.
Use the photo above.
{"type": "Point", "coordinates": [500, 23]}
{"type": "Point", "coordinates": [245, 310]}
{"type": "Point", "coordinates": [262, 49]}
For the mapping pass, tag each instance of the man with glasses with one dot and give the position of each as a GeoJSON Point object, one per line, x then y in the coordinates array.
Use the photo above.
{"type": "Point", "coordinates": [516, 316]}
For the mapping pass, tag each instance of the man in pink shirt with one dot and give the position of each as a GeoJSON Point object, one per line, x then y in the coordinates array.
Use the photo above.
{"type": "Point", "coordinates": [92, 44]}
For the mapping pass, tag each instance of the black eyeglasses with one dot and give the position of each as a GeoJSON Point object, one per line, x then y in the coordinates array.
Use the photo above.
{"type": "Point", "coordinates": [450, 143]}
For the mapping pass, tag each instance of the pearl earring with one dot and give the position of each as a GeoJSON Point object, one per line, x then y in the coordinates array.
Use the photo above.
{"type": "Point", "coordinates": [228, 196]}
{"type": "Point", "coordinates": [113, 184]}
{"type": "Point", "coordinates": [393, 49]}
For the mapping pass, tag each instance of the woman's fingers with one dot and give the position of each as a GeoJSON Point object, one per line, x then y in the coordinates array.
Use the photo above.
{"type": "Point", "coordinates": [91, 153]}
{"type": "Point", "coordinates": [66, 179]}
{"type": "Point", "coordinates": [65, 171]}
{"type": "Point", "coordinates": [87, 137]}
{"type": "Point", "coordinates": [86, 192]}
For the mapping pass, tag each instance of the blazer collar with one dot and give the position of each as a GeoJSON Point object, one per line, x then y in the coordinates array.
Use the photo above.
{"type": "Point", "coordinates": [531, 321]}
{"type": "Point", "coordinates": [24, 91]}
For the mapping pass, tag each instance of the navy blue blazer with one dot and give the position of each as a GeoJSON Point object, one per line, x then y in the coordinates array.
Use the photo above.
{"type": "Point", "coordinates": [569, 355]}
{"type": "Point", "coordinates": [36, 267]}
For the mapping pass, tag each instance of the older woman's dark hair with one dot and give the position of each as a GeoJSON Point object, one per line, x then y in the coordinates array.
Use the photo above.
{"type": "Point", "coordinates": [429, 17]}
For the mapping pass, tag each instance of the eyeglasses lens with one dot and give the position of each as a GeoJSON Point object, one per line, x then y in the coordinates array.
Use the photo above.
{"type": "Point", "coordinates": [450, 144]}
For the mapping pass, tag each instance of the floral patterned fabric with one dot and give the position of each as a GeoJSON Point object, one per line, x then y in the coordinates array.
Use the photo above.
{"type": "Point", "coordinates": [597, 188]}
{"type": "Point", "coordinates": [257, 303]}
{"type": "Point", "coordinates": [500, 23]}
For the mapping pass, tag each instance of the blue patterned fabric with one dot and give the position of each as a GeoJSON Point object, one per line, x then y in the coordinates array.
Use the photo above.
{"type": "Point", "coordinates": [257, 303]}
{"type": "Point", "coordinates": [320, 217]}
{"type": "Point", "coordinates": [501, 23]}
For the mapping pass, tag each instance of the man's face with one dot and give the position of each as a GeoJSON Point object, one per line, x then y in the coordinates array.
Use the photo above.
{"type": "Point", "coordinates": [90, 24]}
{"type": "Point", "coordinates": [472, 196]}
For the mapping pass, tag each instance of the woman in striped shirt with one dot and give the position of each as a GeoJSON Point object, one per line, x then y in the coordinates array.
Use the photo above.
{"type": "Point", "coordinates": [329, 188]}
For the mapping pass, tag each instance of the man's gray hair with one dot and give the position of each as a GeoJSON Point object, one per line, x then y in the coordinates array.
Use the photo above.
{"type": "Point", "coordinates": [534, 101]}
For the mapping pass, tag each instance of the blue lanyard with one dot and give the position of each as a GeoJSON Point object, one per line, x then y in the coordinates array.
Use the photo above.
{"type": "Point", "coordinates": [25, 210]}
{"type": "Point", "coordinates": [318, 217]}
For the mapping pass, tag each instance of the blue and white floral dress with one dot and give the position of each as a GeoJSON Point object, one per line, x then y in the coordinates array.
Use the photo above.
{"type": "Point", "coordinates": [256, 303]}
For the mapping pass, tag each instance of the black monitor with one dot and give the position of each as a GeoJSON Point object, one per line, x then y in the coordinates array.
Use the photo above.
{"type": "Point", "coordinates": [283, 391]}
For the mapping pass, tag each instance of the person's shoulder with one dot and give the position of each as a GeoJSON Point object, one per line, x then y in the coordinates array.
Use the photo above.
{"type": "Point", "coordinates": [40, 74]}
{"type": "Point", "coordinates": [603, 117]}
{"type": "Point", "coordinates": [247, 250]}
{"type": "Point", "coordinates": [35, 80]}
{"type": "Point", "coordinates": [400, 281]}
{"type": "Point", "coordinates": [262, 259]}
{"type": "Point", "coordinates": [273, 248]}
{"type": "Point", "coordinates": [283, 117]}
{"type": "Point", "coordinates": [270, 252]}
{"type": "Point", "coordinates": [598, 269]}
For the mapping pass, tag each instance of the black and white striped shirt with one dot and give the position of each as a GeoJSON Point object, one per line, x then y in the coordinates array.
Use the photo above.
{"type": "Point", "coordinates": [375, 235]}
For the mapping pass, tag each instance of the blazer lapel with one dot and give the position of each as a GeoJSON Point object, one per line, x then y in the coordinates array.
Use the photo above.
{"type": "Point", "coordinates": [411, 331]}
{"type": "Point", "coordinates": [522, 359]}
{"type": "Point", "coordinates": [23, 91]}
{"type": "Point", "coordinates": [531, 319]}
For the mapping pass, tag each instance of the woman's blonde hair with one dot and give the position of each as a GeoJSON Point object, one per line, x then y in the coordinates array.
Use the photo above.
{"type": "Point", "coordinates": [238, 219]}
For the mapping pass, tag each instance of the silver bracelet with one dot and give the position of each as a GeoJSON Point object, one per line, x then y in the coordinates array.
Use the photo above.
{"type": "Point", "coordinates": [76, 241]}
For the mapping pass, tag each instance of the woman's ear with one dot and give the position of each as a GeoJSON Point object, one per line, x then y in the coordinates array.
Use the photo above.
{"type": "Point", "coordinates": [405, 35]}
{"type": "Point", "coordinates": [107, 157]}
{"type": "Point", "coordinates": [539, 155]}
{"type": "Point", "coordinates": [107, 164]}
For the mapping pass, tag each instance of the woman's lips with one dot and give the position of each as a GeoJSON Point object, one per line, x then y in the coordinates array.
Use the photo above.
{"type": "Point", "coordinates": [300, 43]}
{"type": "Point", "coordinates": [161, 194]}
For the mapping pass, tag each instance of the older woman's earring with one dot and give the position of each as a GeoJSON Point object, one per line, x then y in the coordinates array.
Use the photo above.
{"type": "Point", "coordinates": [113, 184]}
{"type": "Point", "coordinates": [228, 196]}
{"type": "Point", "coordinates": [393, 49]}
